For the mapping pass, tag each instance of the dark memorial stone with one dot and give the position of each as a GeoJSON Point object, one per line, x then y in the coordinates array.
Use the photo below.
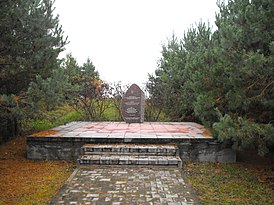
{"type": "Point", "coordinates": [132, 105]}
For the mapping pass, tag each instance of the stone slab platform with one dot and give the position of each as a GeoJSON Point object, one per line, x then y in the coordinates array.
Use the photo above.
{"type": "Point", "coordinates": [126, 185]}
{"type": "Point", "coordinates": [64, 142]}
{"type": "Point", "coordinates": [122, 132]}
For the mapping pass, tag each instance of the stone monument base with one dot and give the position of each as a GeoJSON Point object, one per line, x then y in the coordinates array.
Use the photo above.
{"type": "Point", "coordinates": [195, 143]}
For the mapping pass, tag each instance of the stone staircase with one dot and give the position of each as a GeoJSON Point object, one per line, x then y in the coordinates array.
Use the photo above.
{"type": "Point", "coordinates": [130, 154]}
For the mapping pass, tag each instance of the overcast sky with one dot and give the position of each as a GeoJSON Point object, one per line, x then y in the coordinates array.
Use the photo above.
{"type": "Point", "coordinates": [123, 38]}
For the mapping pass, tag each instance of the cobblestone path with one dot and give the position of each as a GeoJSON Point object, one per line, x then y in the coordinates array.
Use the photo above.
{"type": "Point", "coordinates": [125, 185]}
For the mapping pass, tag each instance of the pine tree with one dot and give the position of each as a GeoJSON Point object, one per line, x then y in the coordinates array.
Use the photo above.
{"type": "Point", "coordinates": [30, 42]}
{"type": "Point", "coordinates": [164, 87]}
{"type": "Point", "coordinates": [226, 78]}
{"type": "Point", "coordinates": [245, 30]}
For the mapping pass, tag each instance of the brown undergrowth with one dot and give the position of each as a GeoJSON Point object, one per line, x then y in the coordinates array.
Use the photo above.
{"type": "Point", "coordinates": [25, 181]}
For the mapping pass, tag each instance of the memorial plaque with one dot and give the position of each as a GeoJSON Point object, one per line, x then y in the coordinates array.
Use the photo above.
{"type": "Point", "coordinates": [132, 105]}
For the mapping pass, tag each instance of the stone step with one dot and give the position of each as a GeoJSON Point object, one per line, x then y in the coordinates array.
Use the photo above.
{"type": "Point", "coordinates": [130, 160]}
{"type": "Point", "coordinates": [128, 153]}
{"type": "Point", "coordinates": [130, 149]}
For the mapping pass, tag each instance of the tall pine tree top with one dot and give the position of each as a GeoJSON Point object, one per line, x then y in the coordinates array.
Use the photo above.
{"type": "Point", "coordinates": [30, 42]}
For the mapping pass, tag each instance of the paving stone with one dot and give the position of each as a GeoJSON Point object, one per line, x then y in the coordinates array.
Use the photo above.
{"type": "Point", "coordinates": [125, 185]}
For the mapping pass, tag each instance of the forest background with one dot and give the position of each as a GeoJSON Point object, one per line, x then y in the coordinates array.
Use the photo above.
{"type": "Point", "coordinates": [222, 78]}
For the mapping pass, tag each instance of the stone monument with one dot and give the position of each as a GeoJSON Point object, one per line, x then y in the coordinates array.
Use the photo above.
{"type": "Point", "coordinates": [132, 105]}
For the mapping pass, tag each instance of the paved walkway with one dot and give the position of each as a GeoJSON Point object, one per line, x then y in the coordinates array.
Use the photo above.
{"type": "Point", "coordinates": [126, 185]}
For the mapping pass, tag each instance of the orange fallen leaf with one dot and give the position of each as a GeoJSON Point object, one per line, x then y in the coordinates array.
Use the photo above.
{"type": "Point", "coordinates": [45, 133]}
{"type": "Point", "coordinates": [207, 133]}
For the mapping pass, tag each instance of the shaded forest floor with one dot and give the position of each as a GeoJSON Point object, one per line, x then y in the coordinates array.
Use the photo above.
{"type": "Point", "coordinates": [25, 181]}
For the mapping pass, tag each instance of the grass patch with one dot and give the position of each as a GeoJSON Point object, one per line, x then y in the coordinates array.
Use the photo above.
{"type": "Point", "coordinates": [112, 113]}
{"type": "Point", "coordinates": [65, 114]}
{"type": "Point", "coordinates": [237, 183]}
{"type": "Point", "coordinates": [26, 182]}
{"type": "Point", "coordinates": [51, 119]}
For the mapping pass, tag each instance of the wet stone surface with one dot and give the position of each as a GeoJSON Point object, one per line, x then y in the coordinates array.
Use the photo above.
{"type": "Point", "coordinates": [125, 185]}
{"type": "Point", "coordinates": [147, 130]}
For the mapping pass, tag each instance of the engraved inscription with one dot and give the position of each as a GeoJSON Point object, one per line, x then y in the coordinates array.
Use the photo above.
{"type": "Point", "coordinates": [132, 98]}
{"type": "Point", "coordinates": [131, 110]}
{"type": "Point", "coordinates": [132, 103]}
